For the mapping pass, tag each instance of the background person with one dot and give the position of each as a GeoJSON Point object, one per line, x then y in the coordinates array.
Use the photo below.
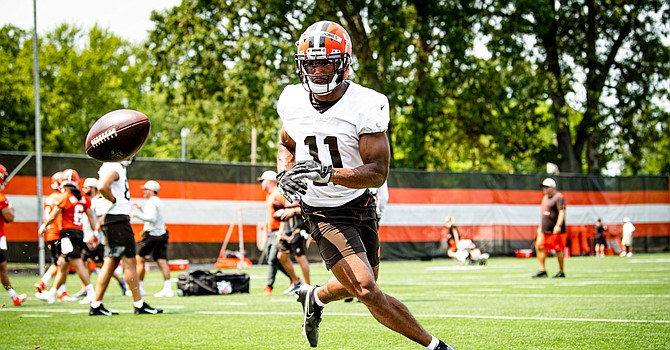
{"type": "Point", "coordinates": [600, 241]}
{"type": "Point", "coordinates": [154, 237]}
{"type": "Point", "coordinates": [551, 231]}
{"type": "Point", "coordinates": [627, 237]}
{"type": "Point", "coordinates": [273, 202]}
{"type": "Point", "coordinates": [8, 215]}
{"type": "Point", "coordinates": [51, 236]}
{"type": "Point", "coordinates": [113, 185]}
{"type": "Point", "coordinates": [293, 241]}
{"type": "Point", "coordinates": [450, 237]}
{"type": "Point", "coordinates": [70, 205]}
{"type": "Point", "coordinates": [334, 135]}
{"type": "Point", "coordinates": [95, 241]}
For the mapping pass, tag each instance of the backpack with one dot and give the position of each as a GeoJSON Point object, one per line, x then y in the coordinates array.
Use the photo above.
{"type": "Point", "coordinates": [201, 282]}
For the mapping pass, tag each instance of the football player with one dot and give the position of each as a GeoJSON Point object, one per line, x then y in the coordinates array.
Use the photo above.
{"type": "Point", "coordinates": [333, 148]}
{"type": "Point", "coordinates": [70, 205]}
{"type": "Point", "coordinates": [52, 237]}
{"type": "Point", "coordinates": [113, 185]}
{"type": "Point", "coordinates": [7, 213]}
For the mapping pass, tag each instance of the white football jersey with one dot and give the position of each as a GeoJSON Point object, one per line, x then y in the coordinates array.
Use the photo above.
{"type": "Point", "coordinates": [332, 137]}
{"type": "Point", "coordinates": [119, 188]}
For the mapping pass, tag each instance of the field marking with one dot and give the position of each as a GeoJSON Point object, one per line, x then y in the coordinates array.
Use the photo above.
{"type": "Point", "coordinates": [540, 295]}
{"type": "Point", "coordinates": [512, 318]}
{"type": "Point", "coordinates": [256, 313]}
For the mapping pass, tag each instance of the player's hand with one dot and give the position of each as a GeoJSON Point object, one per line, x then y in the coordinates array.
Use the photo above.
{"type": "Point", "coordinates": [41, 230]}
{"type": "Point", "coordinates": [290, 186]}
{"type": "Point", "coordinates": [313, 170]}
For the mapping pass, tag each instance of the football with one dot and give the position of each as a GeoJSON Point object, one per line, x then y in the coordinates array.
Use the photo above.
{"type": "Point", "coordinates": [117, 135]}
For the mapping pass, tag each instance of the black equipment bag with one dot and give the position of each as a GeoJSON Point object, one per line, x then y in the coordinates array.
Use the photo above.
{"type": "Point", "coordinates": [201, 282]}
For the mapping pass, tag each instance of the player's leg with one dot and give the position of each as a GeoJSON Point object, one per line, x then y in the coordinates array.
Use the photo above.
{"type": "Point", "coordinates": [284, 257]}
{"type": "Point", "coordinates": [541, 254]}
{"type": "Point", "coordinates": [304, 267]}
{"type": "Point", "coordinates": [358, 278]}
{"type": "Point", "coordinates": [140, 261]}
{"type": "Point", "coordinates": [105, 275]}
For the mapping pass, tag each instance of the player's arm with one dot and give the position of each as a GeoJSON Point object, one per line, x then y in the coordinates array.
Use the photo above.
{"type": "Point", "coordinates": [91, 218]}
{"type": "Point", "coordinates": [105, 184]}
{"type": "Point", "coordinates": [149, 213]}
{"type": "Point", "coordinates": [559, 221]}
{"type": "Point", "coordinates": [457, 236]}
{"type": "Point", "coordinates": [8, 213]}
{"type": "Point", "coordinates": [375, 154]}
{"type": "Point", "coordinates": [53, 214]}
{"type": "Point", "coordinates": [285, 151]}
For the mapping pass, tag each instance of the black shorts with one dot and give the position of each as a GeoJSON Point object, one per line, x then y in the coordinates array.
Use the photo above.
{"type": "Point", "coordinates": [296, 244]}
{"type": "Point", "coordinates": [76, 237]}
{"type": "Point", "coordinates": [600, 240]}
{"type": "Point", "coordinates": [120, 236]}
{"type": "Point", "coordinates": [54, 250]}
{"type": "Point", "coordinates": [154, 246]}
{"type": "Point", "coordinates": [345, 230]}
{"type": "Point", "coordinates": [3, 258]}
{"type": "Point", "coordinates": [96, 255]}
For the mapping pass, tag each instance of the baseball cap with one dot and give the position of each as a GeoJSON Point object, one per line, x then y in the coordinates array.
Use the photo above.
{"type": "Point", "coordinates": [151, 185]}
{"type": "Point", "coordinates": [549, 182]}
{"type": "Point", "coordinates": [91, 182]}
{"type": "Point", "coordinates": [268, 175]}
{"type": "Point", "coordinates": [626, 219]}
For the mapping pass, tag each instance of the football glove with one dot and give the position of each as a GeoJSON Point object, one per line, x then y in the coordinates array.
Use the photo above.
{"type": "Point", "coordinates": [290, 186]}
{"type": "Point", "coordinates": [313, 170]}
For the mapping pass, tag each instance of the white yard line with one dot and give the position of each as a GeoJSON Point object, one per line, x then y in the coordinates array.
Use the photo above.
{"type": "Point", "coordinates": [486, 317]}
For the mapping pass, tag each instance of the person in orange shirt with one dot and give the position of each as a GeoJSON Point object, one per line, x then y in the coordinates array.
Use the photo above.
{"type": "Point", "coordinates": [71, 205]}
{"type": "Point", "coordinates": [7, 214]}
{"type": "Point", "coordinates": [52, 238]}
{"type": "Point", "coordinates": [273, 202]}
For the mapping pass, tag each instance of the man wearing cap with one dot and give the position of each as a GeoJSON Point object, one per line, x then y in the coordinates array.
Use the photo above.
{"type": "Point", "coordinates": [551, 232]}
{"type": "Point", "coordinates": [274, 201]}
{"type": "Point", "coordinates": [154, 237]}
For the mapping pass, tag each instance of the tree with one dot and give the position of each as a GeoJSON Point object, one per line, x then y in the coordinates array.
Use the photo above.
{"type": "Point", "coordinates": [17, 122]}
{"type": "Point", "coordinates": [83, 75]}
{"type": "Point", "coordinates": [605, 62]}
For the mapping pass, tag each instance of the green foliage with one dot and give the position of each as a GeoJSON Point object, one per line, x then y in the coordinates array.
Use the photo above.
{"type": "Point", "coordinates": [17, 121]}
{"type": "Point", "coordinates": [579, 84]}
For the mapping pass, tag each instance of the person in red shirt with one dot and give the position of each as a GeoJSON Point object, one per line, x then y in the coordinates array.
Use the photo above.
{"type": "Point", "coordinates": [51, 234]}
{"type": "Point", "coordinates": [7, 214]}
{"type": "Point", "coordinates": [71, 205]}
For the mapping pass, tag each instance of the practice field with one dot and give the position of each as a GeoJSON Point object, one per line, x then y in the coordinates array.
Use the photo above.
{"type": "Point", "coordinates": [610, 303]}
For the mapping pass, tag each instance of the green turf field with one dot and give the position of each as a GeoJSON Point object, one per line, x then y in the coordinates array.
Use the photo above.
{"type": "Point", "coordinates": [610, 303]}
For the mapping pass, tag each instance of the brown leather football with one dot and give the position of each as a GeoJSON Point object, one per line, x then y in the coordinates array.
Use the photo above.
{"type": "Point", "coordinates": [117, 135]}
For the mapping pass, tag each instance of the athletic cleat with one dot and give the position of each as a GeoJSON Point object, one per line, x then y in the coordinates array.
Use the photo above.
{"type": "Point", "coordinates": [164, 294]}
{"type": "Point", "coordinates": [80, 294]}
{"type": "Point", "coordinates": [559, 275]}
{"type": "Point", "coordinates": [46, 296]}
{"type": "Point", "coordinates": [294, 287]}
{"type": "Point", "coordinates": [87, 300]}
{"type": "Point", "coordinates": [65, 297]}
{"type": "Point", "coordinates": [101, 311]}
{"type": "Point", "coordinates": [40, 286]}
{"type": "Point", "coordinates": [310, 326]}
{"type": "Point", "coordinates": [443, 346]}
{"type": "Point", "coordinates": [146, 309]}
{"type": "Point", "coordinates": [19, 299]}
{"type": "Point", "coordinates": [540, 274]}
